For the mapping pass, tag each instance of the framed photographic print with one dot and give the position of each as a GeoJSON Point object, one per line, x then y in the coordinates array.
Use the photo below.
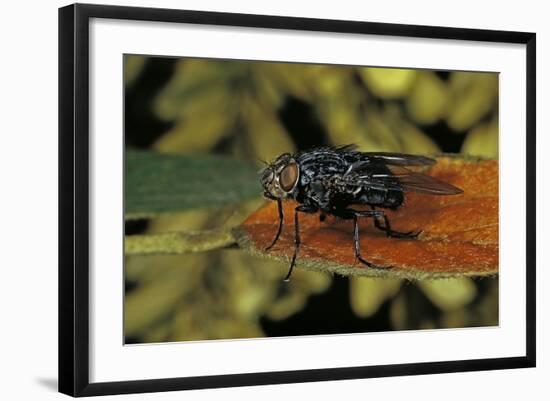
{"type": "Point", "coordinates": [251, 199]}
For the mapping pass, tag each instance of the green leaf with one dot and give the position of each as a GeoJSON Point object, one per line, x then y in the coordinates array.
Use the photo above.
{"type": "Point", "coordinates": [159, 183]}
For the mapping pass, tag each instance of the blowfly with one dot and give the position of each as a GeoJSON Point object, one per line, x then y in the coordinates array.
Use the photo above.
{"type": "Point", "coordinates": [335, 180]}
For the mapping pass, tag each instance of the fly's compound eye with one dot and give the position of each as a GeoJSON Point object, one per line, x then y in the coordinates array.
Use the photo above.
{"type": "Point", "coordinates": [288, 177]}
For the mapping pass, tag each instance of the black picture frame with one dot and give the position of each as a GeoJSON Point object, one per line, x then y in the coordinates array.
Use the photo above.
{"type": "Point", "coordinates": [74, 198]}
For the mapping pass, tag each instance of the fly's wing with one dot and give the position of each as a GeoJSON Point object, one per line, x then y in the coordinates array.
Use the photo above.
{"type": "Point", "coordinates": [380, 170]}
{"type": "Point", "coordinates": [398, 159]}
{"type": "Point", "coordinates": [402, 178]}
{"type": "Point", "coordinates": [380, 176]}
{"type": "Point", "coordinates": [350, 154]}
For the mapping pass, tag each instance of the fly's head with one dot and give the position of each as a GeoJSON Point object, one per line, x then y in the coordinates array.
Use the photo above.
{"type": "Point", "coordinates": [280, 178]}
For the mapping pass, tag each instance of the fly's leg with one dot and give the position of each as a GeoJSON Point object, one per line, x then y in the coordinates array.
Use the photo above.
{"type": "Point", "coordinates": [297, 240]}
{"type": "Point", "coordinates": [280, 229]}
{"type": "Point", "coordinates": [356, 215]}
{"type": "Point", "coordinates": [392, 233]}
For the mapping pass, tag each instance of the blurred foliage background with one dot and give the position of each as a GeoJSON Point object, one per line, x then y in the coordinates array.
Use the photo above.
{"type": "Point", "coordinates": [256, 111]}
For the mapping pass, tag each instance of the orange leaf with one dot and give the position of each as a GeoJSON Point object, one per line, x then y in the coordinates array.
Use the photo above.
{"type": "Point", "coordinates": [459, 232]}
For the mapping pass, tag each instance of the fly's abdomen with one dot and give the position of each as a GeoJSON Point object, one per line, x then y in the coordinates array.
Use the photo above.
{"type": "Point", "coordinates": [390, 199]}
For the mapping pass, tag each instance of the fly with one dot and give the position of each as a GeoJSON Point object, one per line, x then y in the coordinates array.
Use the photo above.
{"type": "Point", "coordinates": [334, 180]}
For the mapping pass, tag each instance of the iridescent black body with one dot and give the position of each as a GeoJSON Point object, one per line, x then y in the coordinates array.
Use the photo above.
{"type": "Point", "coordinates": [337, 180]}
{"type": "Point", "coordinates": [329, 181]}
